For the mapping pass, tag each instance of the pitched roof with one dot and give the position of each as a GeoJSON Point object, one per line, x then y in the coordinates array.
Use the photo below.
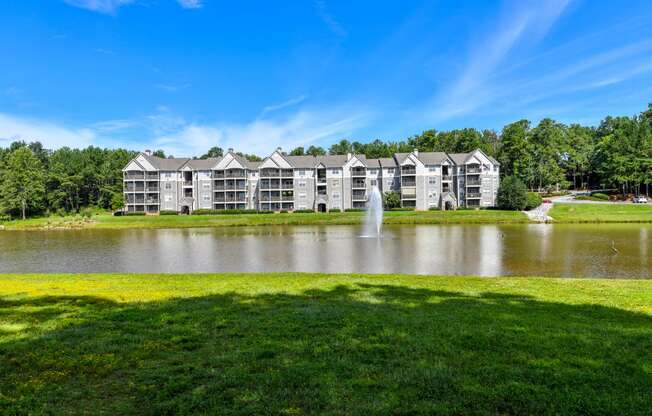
{"type": "Point", "coordinates": [305, 161]}
{"type": "Point", "coordinates": [387, 162]}
{"type": "Point", "coordinates": [373, 163]}
{"type": "Point", "coordinates": [165, 164]}
{"type": "Point", "coordinates": [459, 158]}
{"type": "Point", "coordinates": [494, 161]}
{"type": "Point", "coordinates": [332, 161]}
{"type": "Point", "coordinates": [400, 157]}
{"type": "Point", "coordinates": [432, 158]}
{"type": "Point", "coordinates": [202, 164]}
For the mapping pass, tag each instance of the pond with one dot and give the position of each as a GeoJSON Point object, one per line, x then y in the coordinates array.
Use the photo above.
{"type": "Point", "coordinates": [580, 250]}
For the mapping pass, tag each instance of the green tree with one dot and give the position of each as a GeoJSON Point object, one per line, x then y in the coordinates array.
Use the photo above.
{"type": "Point", "coordinates": [213, 152]}
{"type": "Point", "coordinates": [512, 194]}
{"type": "Point", "coordinates": [117, 201]}
{"type": "Point", "coordinates": [515, 151]}
{"type": "Point", "coordinates": [23, 187]}
{"type": "Point", "coordinates": [315, 151]}
{"type": "Point", "coordinates": [341, 148]}
{"type": "Point", "coordinates": [159, 153]}
{"type": "Point", "coordinates": [391, 200]}
{"type": "Point", "coordinates": [297, 151]}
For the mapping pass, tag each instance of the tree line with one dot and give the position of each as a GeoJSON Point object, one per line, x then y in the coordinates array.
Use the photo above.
{"type": "Point", "coordinates": [547, 156]}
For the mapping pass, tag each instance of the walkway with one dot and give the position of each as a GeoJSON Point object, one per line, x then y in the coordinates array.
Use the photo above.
{"type": "Point", "coordinates": [540, 213]}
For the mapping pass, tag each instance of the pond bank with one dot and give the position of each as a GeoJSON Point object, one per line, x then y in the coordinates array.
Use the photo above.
{"type": "Point", "coordinates": [316, 344]}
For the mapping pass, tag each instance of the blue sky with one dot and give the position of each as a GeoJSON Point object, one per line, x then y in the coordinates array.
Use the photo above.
{"type": "Point", "coordinates": [185, 75]}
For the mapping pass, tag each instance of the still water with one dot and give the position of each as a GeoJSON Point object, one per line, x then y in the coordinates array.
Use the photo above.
{"type": "Point", "coordinates": [487, 250]}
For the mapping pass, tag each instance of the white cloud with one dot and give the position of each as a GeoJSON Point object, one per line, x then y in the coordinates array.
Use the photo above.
{"type": "Point", "coordinates": [172, 87]}
{"type": "Point", "coordinates": [52, 135]}
{"type": "Point", "coordinates": [521, 23]}
{"type": "Point", "coordinates": [328, 19]}
{"type": "Point", "coordinates": [100, 6]}
{"type": "Point", "coordinates": [191, 4]}
{"type": "Point", "coordinates": [285, 104]}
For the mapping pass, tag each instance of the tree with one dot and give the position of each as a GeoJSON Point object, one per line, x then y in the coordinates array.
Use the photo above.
{"type": "Point", "coordinates": [341, 148]}
{"type": "Point", "coordinates": [515, 151]}
{"type": "Point", "coordinates": [117, 201]}
{"type": "Point", "coordinates": [159, 153]}
{"type": "Point", "coordinates": [23, 187]}
{"type": "Point", "coordinates": [549, 144]}
{"type": "Point", "coordinates": [297, 151]}
{"type": "Point", "coordinates": [512, 194]}
{"type": "Point", "coordinates": [391, 200]}
{"type": "Point", "coordinates": [213, 152]}
{"type": "Point", "coordinates": [315, 151]}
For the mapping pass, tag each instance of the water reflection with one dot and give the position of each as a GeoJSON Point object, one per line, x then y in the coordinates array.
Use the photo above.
{"type": "Point", "coordinates": [488, 250]}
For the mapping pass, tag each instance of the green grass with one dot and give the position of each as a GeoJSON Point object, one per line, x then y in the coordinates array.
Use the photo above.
{"type": "Point", "coordinates": [601, 213]}
{"type": "Point", "coordinates": [343, 218]}
{"type": "Point", "coordinates": [299, 344]}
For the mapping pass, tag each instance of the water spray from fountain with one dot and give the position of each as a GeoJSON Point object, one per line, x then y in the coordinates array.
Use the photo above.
{"type": "Point", "coordinates": [374, 219]}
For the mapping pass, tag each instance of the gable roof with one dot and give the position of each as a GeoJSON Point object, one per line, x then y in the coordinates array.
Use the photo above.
{"type": "Point", "coordinates": [166, 164]}
{"type": "Point", "coordinates": [459, 158]}
{"type": "Point", "coordinates": [432, 158]}
{"type": "Point", "coordinates": [387, 162]}
{"type": "Point", "coordinates": [202, 164]}
{"type": "Point", "coordinates": [306, 161]}
{"type": "Point", "coordinates": [332, 161]}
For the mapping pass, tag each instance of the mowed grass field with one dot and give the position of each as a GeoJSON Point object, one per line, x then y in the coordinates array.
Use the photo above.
{"type": "Point", "coordinates": [569, 213]}
{"type": "Point", "coordinates": [302, 344]}
{"type": "Point", "coordinates": [335, 218]}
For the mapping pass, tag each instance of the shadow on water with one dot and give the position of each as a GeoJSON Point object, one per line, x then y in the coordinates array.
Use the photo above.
{"type": "Point", "coordinates": [356, 349]}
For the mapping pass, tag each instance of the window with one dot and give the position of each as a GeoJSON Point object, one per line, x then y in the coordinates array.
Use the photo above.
{"type": "Point", "coordinates": [432, 181]}
{"type": "Point", "coordinates": [374, 182]}
{"type": "Point", "coordinates": [253, 174]}
{"type": "Point", "coordinates": [302, 184]}
{"type": "Point", "coordinates": [373, 171]}
{"type": "Point", "coordinates": [206, 185]}
{"type": "Point", "coordinates": [390, 171]}
{"type": "Point", "coordinates": [206, 197]}
{"type": "Point", "coordinates": [168, 198]}
{"type": "Point", "coordinates": [432, 168]}
{"type": "Point", "coordinates": [336, 183]}
{"type": "Point", "coordinates": [302, 196]}
{"type": "Point", "coordinates": [168, 186]}
{"type": "Point", "coordinates": [168, 175]}
{"type": "Point", "coordinates": [302, 172]}
{"type": "Point", "coordinates": [336, 195]}
{"type": "Point", "coordinates": [334, 171]}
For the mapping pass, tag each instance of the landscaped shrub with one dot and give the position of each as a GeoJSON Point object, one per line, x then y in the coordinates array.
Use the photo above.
{"type": "Point", "coordinates": [264, 212]}
{"type": "Point", "coordinates": [512, 194]}
{"type": "Point", "coordinates": [304, 211]}
{"type": "Point", "coordinates": [533, 200]}
{"type": "Point", "coordinates": [402, 209]}
{"type": "Point", "coordinates": [334, 210]}
{"type": "Point", "coordinates": [354, 210]}
{"type": "Point", "coordinates": [391, 200]}
{"type": "Point", "coordinates": [134, 214]}
{"type": "Point", "coordinates": [433, 209]}
{"type": "Point", "coordinates": [223, 211]}
{"type": "Point", "coordinates": [283, 211]}
{"type": "Point", "coordinates": [86, 213]}
{"type": "Point", "coordinates": [600, 196]}
{"type": "Point", "coordinates": [168, 213]}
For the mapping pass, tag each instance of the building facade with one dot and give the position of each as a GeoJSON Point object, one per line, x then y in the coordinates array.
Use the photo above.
{"type": "Point", "coordinates": [424, 180]}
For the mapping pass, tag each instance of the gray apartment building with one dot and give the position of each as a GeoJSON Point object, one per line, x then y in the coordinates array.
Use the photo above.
{"type": "Point", "coordinates": [321, 183]}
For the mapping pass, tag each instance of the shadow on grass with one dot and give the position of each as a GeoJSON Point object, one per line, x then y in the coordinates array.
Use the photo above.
{"type": "Point", "coordinates": [356, 349]}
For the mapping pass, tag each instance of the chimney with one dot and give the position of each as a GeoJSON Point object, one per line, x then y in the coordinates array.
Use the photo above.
{"type": "Point", "coordinates": [348, 156]}
{"type": "Point", "coordinates": [278, 149]}
{"type": "Point", "coordinates": [416, 152]}
{"type": "Point", "coordinates": [230, 150]}
{"type": "Point", "coordinates": [148, 152]}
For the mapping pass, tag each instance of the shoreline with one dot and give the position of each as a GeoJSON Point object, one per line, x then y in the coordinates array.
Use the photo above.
{"type": "Point", "coordinates": [560, 213]}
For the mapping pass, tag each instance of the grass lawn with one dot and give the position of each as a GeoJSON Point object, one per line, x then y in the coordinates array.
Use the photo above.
{"type": "Point", "coordinates": [323, 344]}
{"type": "Point", "coordinates": [187, 221]}
{"type": "Point", "coordinates": [601, 213]}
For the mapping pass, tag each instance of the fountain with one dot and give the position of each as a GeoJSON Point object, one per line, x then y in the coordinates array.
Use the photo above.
{"type": "Point", "coordinates": [374, 220]}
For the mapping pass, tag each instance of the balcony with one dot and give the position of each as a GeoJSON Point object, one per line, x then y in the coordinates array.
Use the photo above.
{"type": "Point", "coordinates": [218, 174]}
{"type": "Point", "coordinates": [473, 195]}
{"type": "Point", "coordinates": [408, 182]}
{"type": "Point", "coordinates": [287, 185]}
{"type": "Point", "coordinates": [287, 173]}
{"type": "Point", "coordinates": [359, 172]}
{"type": "Point", "coordinates": [130, 176]}
{"type": "Point", "coordinates": [152, 187]}
{"type": "Point", "coordinates": [408, 170]}
{"type": "Point", "coordinates": [359, 196]}
{"type": "Point", "coordinates": [446, 177]}
{"type": "Point", "coordinates": [152, 175]}
{"type": "Point", "coordinates": [408, 192]}
{"type": "Point", "coordinates": [270, 173]}
{"type": "Point", "coordinates": [473, 169]}
{"type": "Point", "coordinates": [130, 187]}
{"type": "Point", "coordinates": [267, 198]}
{"type": "Point", "coordinates": [359, 184]}
{"type": "Point", "coordinates": [187, 182]}
{"type": "Point", "coordinates": [152, 200]}
{"type": "Point", "coordinates": [235, 173]}
{"type": "Point", "coordinates": [473, 182]}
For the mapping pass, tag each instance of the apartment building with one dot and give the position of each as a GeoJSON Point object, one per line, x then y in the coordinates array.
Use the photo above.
{"type": "Point", "coordinates": [320, 183]}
